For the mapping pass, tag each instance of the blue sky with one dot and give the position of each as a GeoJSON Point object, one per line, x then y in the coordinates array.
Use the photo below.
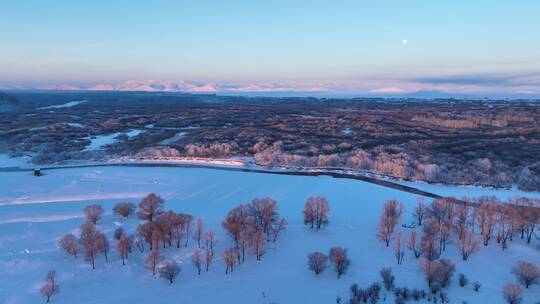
{"type": "Point", "coordinates": [489, 47]}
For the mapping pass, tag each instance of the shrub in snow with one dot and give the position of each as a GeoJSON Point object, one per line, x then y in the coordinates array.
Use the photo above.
{"type": "Point", "coordinates": [463, 281]}
{"type": "Point", "coordinates": [169, 271]}
{"type": "Point", "coordinates": [476, 286]}
{"type": "Point", "coordinates": [387, 277]}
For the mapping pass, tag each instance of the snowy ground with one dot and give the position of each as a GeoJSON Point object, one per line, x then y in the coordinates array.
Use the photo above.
{"type": "Point", "coordinates": [36, 211]}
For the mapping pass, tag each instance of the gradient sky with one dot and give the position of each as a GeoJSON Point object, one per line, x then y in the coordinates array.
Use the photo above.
{"type": "Point", "coordinates": [456, 46]}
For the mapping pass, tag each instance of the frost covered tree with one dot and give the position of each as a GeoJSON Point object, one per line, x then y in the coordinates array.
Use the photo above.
{"type": "Point", "coordinates": [399, 249]}
{"type": "Point", "coordinates": [124, 209]}
{"type": "Point", "coordinates": [104, 246]}
{"type": "Point", "coordinates": [50, 286]}
{"type": "Point", "coordinates": [317, 262]}
{"type": "Point", "coordinates": [236, 222]}
{"type": "Point", "coordinates": [197, 260]}
{"type": "Point", "coordinates": [229, 258]}
{"type": "Point", "coordinates": [90, 241]}
{"type": "Point", "coordinates": [413, 245]}
{"type": "Point", "coordinates": [316, 211]}
{"type": "Point", "coordinates": [282, 224]}
{"type": "Point", "coordinates": [388, 220]}
{"type": "Point", "coordinates": [208, 258]}
{"type": "Point", "coordinates": [338, 256]}
{"type": "Point", "coordinates": [152, 260]}
{"type": "Point", "coordinates": [468, 244]}
{"type": "Point", "coordinates": [512, 293]}
{"type": "Point", "coordinates": [210, 239]}
{"type": "Point", "coordinates": [169, 271]}
{"type": "Point", "coordinates": [123, 247]}
{"type": "Point", "coordinates": [93, 213]}
{"type": "Point", "coordinates": [419, 211]}
{"type": "Point", "coordinates": [257, 244]}
{"type": "Point", "coordinates": [198, 234]}
{"type": "Point", "coordinates": [527, 273]}
{"type": "Point", "coordinates": [69, 244]}
{"type": "Point", "coordinates": [150, 206]}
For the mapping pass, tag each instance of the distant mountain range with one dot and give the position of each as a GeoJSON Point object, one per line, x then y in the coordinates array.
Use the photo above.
{"type": "Point", "coordinates": [262, 89]}
{"type": "Point", "coordinates": [179, 86]}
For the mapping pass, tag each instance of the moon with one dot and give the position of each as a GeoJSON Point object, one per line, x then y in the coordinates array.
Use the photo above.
{"type": "Point", "coordinates": [404, 41]}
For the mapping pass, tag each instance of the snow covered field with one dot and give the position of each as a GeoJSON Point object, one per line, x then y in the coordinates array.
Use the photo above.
{"type": "Point", "coordinates": [36, 211]}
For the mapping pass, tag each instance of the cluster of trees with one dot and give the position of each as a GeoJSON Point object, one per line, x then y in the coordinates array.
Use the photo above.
{"type": "Point", "coordinates": [316, 211]}
{"type": "Point", "coordinates": [252, 226]}
{"type": "Point", "coordinates": [91, 241]}
{"type": "Point", "coordinates": [471, 222]}
{"type": "Point", "coordinates": [212, 150]}
{"type": "Point", "coordinates": [318, 261]}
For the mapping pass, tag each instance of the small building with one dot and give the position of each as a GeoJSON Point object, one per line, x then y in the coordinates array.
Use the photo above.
{"type": "Point", "coordinates": [37, 172]}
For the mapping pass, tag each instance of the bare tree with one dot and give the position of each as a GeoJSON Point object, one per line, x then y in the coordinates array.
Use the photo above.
{"type": "Point", "coordinates": [124, 209]}
{"type": "Point", "coordinates": [389, 218]}
{"type": "Point", "coordinates": [419, 211]}
{"type": "Point", "coordinates": [90, 240]}
{"type": "Point", "coordinates": [512, 293]}
{"type": "Point", "coordinates": [93, 213]}
{"type": "Point", "coordinates": [145, 231]}
{"type": "Point", "coordinates": [150, 206]}
{"type": "Point", "coordinates": [199, 231]}
{"type": "Point", "coordinates": [316, 212]}
{"type": "Point", "coordinates": [123, 247]}
{"type": "Point", "coordinates": [235, 222]}
{"type": "Point", "coordinates": [258, 244]}
{"type": "Point", "coordinates": [209, 257]}
{"type": "Point", "coordinates": [282, 224]}
{"type": "Point", "coordinates": [461, 219]}
{"type": "Point", "coordinates": [428, 243]}
{"type": "Point", "coordinates": [399, 249]}
{"type": "Point", "coordinates": [527, 273]}
{"type": "Point", "coordinates": [317, 262]}
{"type": "Point", "coordinates": [187, 223]}
{"type": "Point", "coordinates": [197, 259]}
{"type": "Point", "coordinates": [69, 244]}
{"type": "Point", "coordinates": [169, 271]}
{"type": "Point", "coordinates": [50, 286]}
{"type": "Point", "coordinates": [468, 244]}
{"type": "Point", "coordinates": [486, 218]}
{"type": "Point", "coordinates": [210, 239]}
{"type": "Point", "coordinates": [104, 246]}
{"type": "Point", "coordinates": [413, 245]}
{"type": "Point", "coordinates": [229, 257]}
{"type": "Point", "coordinates": [338, 256]}
{"type": "Point", "coordinates": [152, 260]}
